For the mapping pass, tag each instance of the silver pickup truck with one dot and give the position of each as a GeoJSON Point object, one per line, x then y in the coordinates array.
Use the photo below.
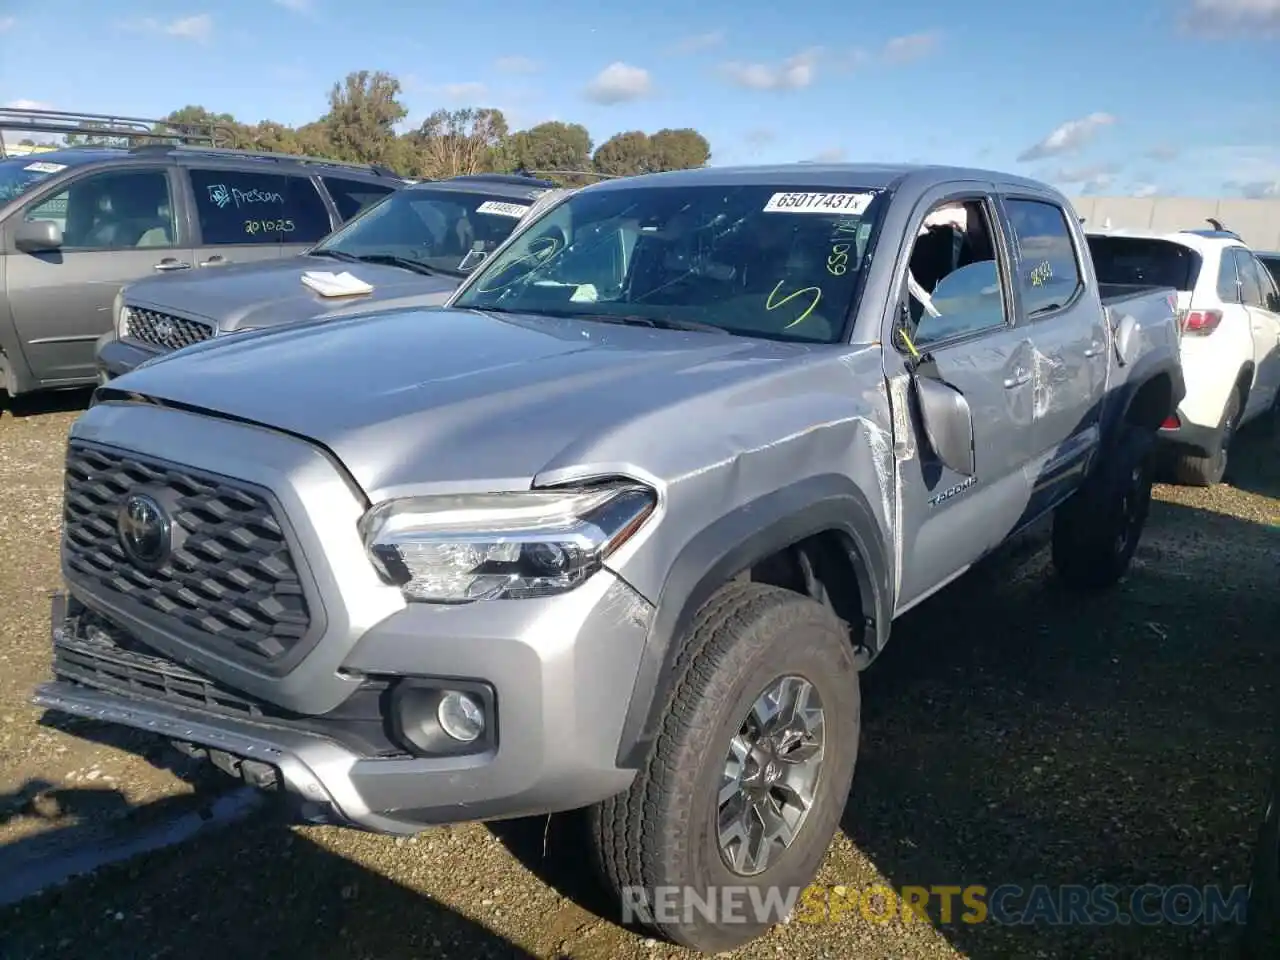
{"type": "Point", "coordinates": [620, 527]}
{"type": "Point", "coordinates": [412, 249]}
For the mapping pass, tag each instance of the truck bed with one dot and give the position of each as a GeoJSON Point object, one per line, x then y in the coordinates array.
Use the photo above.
{"type": "Point", "coordinates": [1116, 293]}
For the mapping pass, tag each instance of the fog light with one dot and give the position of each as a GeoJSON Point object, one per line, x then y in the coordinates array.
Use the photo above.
{"type": "Point", "coordinates": [460, 716]}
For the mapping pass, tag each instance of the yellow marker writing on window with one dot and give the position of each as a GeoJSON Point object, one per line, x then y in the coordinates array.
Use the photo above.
{"type": "Point", "coordinates": [911, 347]}
{"type": "Point", "coordinates": [771, 304]}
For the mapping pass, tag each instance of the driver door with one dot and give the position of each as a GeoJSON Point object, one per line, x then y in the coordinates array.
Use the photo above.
{"type": "Point", "coordinates": [971, 342]}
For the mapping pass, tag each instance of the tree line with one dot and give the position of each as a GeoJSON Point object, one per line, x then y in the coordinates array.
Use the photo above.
{"type": "Point", "coordinates": [365, 110]}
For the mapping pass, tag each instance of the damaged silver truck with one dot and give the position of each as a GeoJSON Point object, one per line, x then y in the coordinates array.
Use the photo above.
{"type": "Point", "coordinates": [619, 526]}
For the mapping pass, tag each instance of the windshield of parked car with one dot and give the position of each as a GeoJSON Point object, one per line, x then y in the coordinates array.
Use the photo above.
{"type": "Point", "coordinates": [776, 262]}
{"type": "Point", "coordinates": [446, 231]}
{"type": "Point", "coordinates": [20, 174]}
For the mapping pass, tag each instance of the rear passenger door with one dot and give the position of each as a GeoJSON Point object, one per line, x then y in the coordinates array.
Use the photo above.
{"type": "Point", "coordinates": [1069, 366]}
{"type": "Point", "coordinates": [352, 197]}
{"type": "Point", "coordinates": [246, 215]}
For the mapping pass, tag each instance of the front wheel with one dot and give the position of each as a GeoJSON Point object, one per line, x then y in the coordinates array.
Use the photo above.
{"type": "Point", "coordinates": [1096, 532]}
{"type": "Point", "coordinates": [740, 796]}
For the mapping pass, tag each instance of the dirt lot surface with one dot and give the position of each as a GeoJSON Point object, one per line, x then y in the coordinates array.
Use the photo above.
{"type": "Point", "coordinates": [1014, 733]}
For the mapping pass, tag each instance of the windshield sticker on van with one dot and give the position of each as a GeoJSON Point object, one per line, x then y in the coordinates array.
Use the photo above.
{"type": "Point", "coordinates": [854, 203]}
{"type": "Point", "coordinates": [44, 166]}
{"type": "Point", "coordinates": [500, 209]}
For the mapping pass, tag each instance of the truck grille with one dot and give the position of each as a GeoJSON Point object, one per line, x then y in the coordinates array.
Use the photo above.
{"type": "Point", "coordinates": [229, 580]}
{"type": "Point", "coordinates": [165, 329]}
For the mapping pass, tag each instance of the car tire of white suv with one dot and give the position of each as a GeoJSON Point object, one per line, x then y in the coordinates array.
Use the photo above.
{"type": "Point", "coordinates": [1193, 471]}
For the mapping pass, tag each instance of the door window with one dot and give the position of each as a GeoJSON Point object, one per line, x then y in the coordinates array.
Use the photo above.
{"type": "Point", "coordinates": [1250, 286]}
{"type": "Point", "coordinates": [117, 210]}
{"type": "Point", "coordinates": [1228, 282]}
{"type": "Point", "coordinates": [247, 207]}
{"type": "Point", "coordinates": [953, 278]}
{"type": "Point", "coordinates": [1048, 269]}
{"type": "Point", "coordinates": [353, 196]}
{"type": "Point", "coordinates": [1270, 291]}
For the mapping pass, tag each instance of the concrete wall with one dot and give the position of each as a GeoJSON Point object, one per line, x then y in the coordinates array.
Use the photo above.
{"type": "Point", "coordinates": [1257, 221]}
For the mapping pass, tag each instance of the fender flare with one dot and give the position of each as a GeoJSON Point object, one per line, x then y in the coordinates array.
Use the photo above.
{"type": "Point", "coordinates": [1140, 374]}
{"type": "Point", "coordinates": [731, 544]}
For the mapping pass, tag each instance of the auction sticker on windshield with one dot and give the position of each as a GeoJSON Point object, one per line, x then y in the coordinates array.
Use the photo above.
{"type": "Point", "coordinates": [44, 166]}
{"type": "Point", "coordinates": [854, 203]}
{"type": "Point", "coordinates": [501, 209]}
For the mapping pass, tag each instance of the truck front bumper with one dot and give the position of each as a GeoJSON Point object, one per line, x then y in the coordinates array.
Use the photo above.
{"type": "Point", "coordinates": [116, 357]}
{"type": "Point", "coordinates": [554, 713]}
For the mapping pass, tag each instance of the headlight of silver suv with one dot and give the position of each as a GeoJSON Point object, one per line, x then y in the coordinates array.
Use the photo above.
{"type": "Point", "coordinates": [456, 549]}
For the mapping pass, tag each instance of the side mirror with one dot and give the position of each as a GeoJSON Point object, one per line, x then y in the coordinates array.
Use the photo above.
{"type": "Point", "coordinates": [38, 236]}
{"type": "Point", "coordinates": [948, 424]}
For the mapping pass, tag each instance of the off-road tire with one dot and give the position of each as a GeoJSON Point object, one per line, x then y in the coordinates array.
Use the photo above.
{"type": "Point", "coordinates": [661, 832]}
{"type": "Point", "coordinates": [1190, 470]}
{"type": "Point", "coordinates": [1096, 532]}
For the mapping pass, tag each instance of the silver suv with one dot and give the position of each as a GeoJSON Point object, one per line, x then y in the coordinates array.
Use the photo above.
{"type": "Point", "coordinates": [76, 224]}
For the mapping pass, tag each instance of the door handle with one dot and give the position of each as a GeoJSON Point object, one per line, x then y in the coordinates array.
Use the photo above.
{"type": "Point", "coordinates": [169, 263]}
{"type": "Point", "coordinates": [1095, 348]}
{"type": "Point", "coordinates": [216, 260]}
{"type": "Point", "coordinates": [1018, 379]}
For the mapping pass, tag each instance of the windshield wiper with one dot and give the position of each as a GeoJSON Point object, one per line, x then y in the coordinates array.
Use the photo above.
{"type": "Point", "coordinates": [405, 263]}
{"type": "Point", "coordinates": [335, 255]}
{"type": "Point", "coordinates": [635, 320]}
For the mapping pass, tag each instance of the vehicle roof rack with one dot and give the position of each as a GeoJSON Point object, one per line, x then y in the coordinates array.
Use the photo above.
{"type": "Point", "coordinates": [517, 179]}
{"type": "Point", "coordinates": [187, 149]}
{"type": "Point", "coordinates": [64, 123]}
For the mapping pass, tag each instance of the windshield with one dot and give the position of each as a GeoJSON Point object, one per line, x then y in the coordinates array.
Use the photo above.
{"type": "Point", "coordinates": [752, 260]}
{"type": "Point", "coordinates": [441, 230]}
{"type": "Point", "coordinates": [20, 174]}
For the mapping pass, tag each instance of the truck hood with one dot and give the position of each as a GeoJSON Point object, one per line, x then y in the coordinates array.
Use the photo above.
{"type": "Point", "coordinates": [410, 400]}
{"type": "Point", "coordinates": [270, 292]}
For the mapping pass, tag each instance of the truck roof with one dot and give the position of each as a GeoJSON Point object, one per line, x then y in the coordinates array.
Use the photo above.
{"type": "Point", "coordinates": [873, 176]}
{"type": "Point", "coordinates": [515, 188]}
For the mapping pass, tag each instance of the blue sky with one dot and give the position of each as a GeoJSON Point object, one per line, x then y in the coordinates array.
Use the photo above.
{"type": "Point", "coordinates": [1136, 97]}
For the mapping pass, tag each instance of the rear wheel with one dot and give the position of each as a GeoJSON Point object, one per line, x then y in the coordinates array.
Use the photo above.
{"type": "Point", "coordinates": [748, 776]}
{"type": "Point", "coordinates": [1096, 532]}
{"type": "Point", "coordinates": [1192, 471]}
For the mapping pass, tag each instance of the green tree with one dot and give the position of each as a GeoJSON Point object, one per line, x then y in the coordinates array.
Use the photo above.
{"type": "Point", "coordinates": [363, 112]}
{"type": "Point", "coordinates": [624, 154]}
{"type": "Point", "coordinates": [454, 142]}
{"type": "Point", "coordinates": [551, 146]}
{"type": "Point", "coordinates": [682, 149]}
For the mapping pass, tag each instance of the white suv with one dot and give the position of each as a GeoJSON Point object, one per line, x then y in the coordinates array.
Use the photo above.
{"type": "Point", "coordinates": [1230, 307]}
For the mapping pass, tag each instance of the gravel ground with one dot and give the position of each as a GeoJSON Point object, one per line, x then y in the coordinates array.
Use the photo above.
{"type": "Point", "coordinates": [1013, 734]}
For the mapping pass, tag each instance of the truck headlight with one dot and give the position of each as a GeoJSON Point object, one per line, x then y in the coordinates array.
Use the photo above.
{"type": "Point", "coordinates": [456, 549]}
{"type": "Point", "coordinates": [120, 314]}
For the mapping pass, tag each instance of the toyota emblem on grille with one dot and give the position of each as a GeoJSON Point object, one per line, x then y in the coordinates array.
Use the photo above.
{"type": "Point", "coordinates": [165, 329]}
{"type": "Point", "coordinates": [144, 530]}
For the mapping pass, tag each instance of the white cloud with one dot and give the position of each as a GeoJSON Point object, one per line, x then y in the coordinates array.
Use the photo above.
{"type": "Point", "coordinates": [698, 42]}
{"type": "Point", "coordinates": [297, 6]}
{"type": "Point", "coordinates": [1144, 190]}
{"type": "Point", "coordinates": [1230, 18]}
{"type": "Point", "coordinates": [911, 47]}
{"type": "Point", "coordinates": [29, 105]}
{"type": "Point", "coordinates": [1252, 170]}
{"type": "Point", "coordinates": [468, 90]}
{"type": "Point", "coordinates": [1067, 138]}
{"type": "Point", "coordinates": [517, 65]}
{"type": "Point", "coordinates": [794, 73]}
{"type": "Point", "coordinates": [618, 83]}
{"type": "Point", "coordinates": [1091, 179]}
{"type": "Point", "coordinates": [198, 27]}
{"type": "Point", "coordinates": [7, 23]}
{"type": "Point", "coordinates": [830, 155]}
